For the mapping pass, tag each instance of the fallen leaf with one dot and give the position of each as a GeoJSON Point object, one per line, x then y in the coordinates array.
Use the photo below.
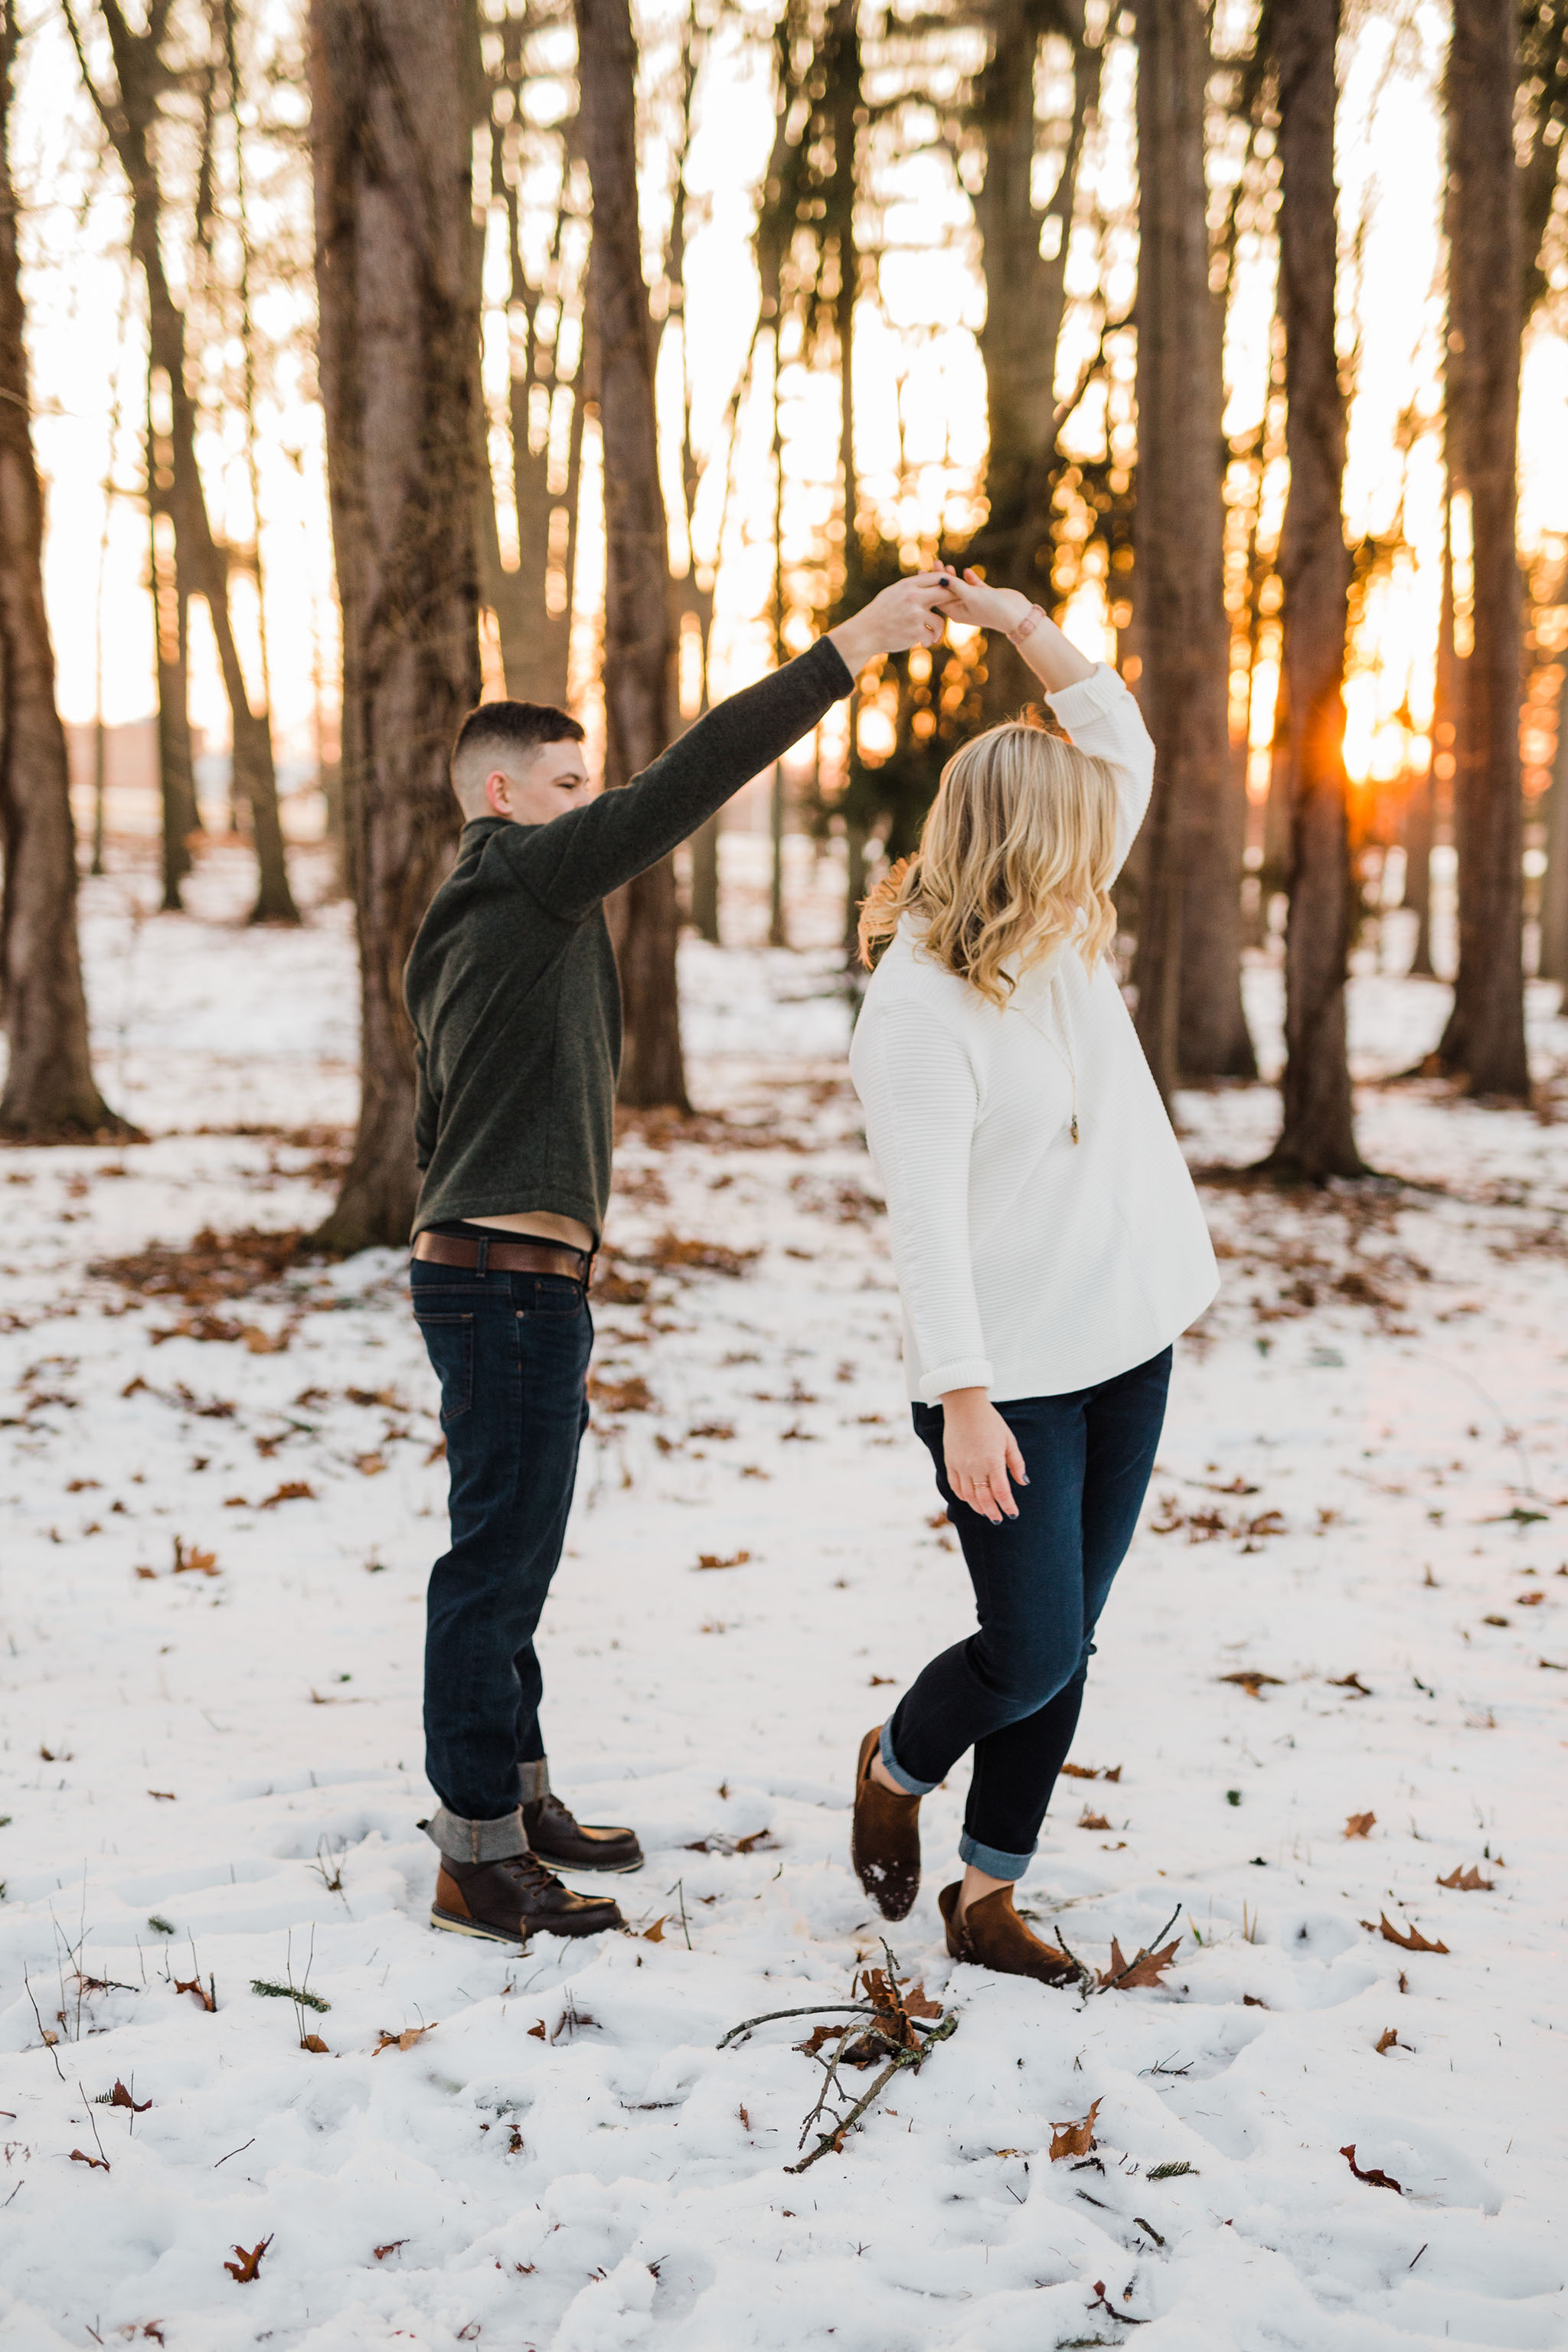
{"type": "Point", "coordinates": [407, 2038]}
{"type": "Point", "coordinates": [249, 2264]}
{"type": "Point", "coordinates": [655, 1934]}
{"type": "Point", "coordinates": [759, 1841]}
{"type": "Point", "coordinates": [437, 1452]}
{"type": "Point", "coordinates": [1352, 1682]}
{"type": "Point", "coordinates": [1387, 2040]}
{"type": "Point", "coordinates": [165, 1796]}
{"type": "Point", "coordinates": [1073, 2138]}
{"type": "Point", "coordinates": [1414, 1942]}
{"type": "Point", "coordinates": [1494, 1621]}
{"type": "Point", "coordinates": [313, 2041]}
{"type": "Point", "coordinates": [537, 2033]}
{"type": "Point", "coordinates": [120, 2097]}
{"type": "Point", "coordinates": [1091, 1772]}
{"type": "Point", "coordinates": [292, 1490]}
{"type": "Point", "coordinates": [745, 2118]}
{"type": "Point", "coordinates": [1088, 1821]}
{"type": "Point", "coordinates": [201, 1992]}
{"type": "Point", "coordinates": [1529, 1599]}
{"type": "Point", "coordinates": [1252, 1682]}
{"type": "Point", "coordinates": [1250, 2000]}
{"type": "Point", "coordinates": [917, 2004]}
{"type": "Point", "coordinates": [1359, 1825]}
{"type": "Point", "coordinates": [816, 2037]}
{"type": "Point", "coordinates": [719, 1559]}
{"type": "Point", "coordinates": [390, 2248]}
{"type": "Point", "coordinates": [195, 1561]}
{"type": "Point", "coordinates": [98, 2163]}
{"type": "Point", "coordinates": [877, 1681]}
{"type": "Point", "coordinates": [369, 1465]}
{"type": "Point", "coordinates": [1375, 2178]}
{"type": "Point", "coordinates": [1145, 1969]}
{"type": "Point", "coordinates": [632, 1395]}
{"type": "Point", "coordinates": [1469, 1882]}
{"type": "Point", "coordinates": [147, 1575]}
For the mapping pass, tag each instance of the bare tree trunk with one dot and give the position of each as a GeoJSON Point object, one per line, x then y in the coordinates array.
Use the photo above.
{"type": "Point", "coordinates": [1025, 300]}
{"type": "Point", "coordinates": [638, 639]}
{"type": "Point", "coordinates": [1188, 968]}
{"type": "Point", "coordinates": [180, 815]}
{"type": "Point", "coordinates": [1318, 1136]}
{"type": "Point", "coordinates": [1484, 1041]}
{"type": "Point", "coordinates": [392, 93]}
{"type": "Point", "coordinates": [1554, 963]}
{"type": "Point", "coordinates": [129, 117]}
{"type": "Point", "coordinates": [1418, 829]}
{"type": "Point", "coordinates": [50, 1096]}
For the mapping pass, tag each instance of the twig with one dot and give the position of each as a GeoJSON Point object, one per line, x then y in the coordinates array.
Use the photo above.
{"type": "Point", "coordinates": [679, 1891]}
{"type": "Point", "coordinates": [47, 2039]}
{"type": "Point", "coordinates": [895, 2065]}
{"type": "Point", "coordinates": [92, 2119]}
{"type": "Point", "coordinates": [819, 2009]}
{"type": "Point", "coordinates": [236, 2151]}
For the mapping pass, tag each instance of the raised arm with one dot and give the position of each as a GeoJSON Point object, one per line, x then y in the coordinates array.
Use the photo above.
{"type": "Point", "coordinates": [1088, 697]}
{"type": "Point", "coordinates": [581, 856]}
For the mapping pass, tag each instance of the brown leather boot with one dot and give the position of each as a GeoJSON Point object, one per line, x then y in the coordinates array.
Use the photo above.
{"type": "Point", "coordinates": [990, 1935]}
{"type": "Point", "coordinates": [506, 1902]}
{"type": "Point", "coordinates": [885, 1838]}
{"type": "Point", "coordinates": [560, 1839]}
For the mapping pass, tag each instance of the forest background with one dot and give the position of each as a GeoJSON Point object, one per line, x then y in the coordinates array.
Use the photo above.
{"type": "Point", "coordinates": [373, 357]}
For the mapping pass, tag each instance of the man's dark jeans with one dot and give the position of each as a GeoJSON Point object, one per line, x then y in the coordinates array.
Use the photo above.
{"type": "Point", "coordinates": [512, 1352]}
{"type": "Point", "coordinates": [1012, 1690]}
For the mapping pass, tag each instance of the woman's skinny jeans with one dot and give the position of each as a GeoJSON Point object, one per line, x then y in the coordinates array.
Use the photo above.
{"type": "Point", "coordinates": [1012, 1690]}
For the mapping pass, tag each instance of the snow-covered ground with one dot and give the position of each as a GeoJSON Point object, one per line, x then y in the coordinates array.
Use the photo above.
{"type": "Point", "coordinates": [212, 1771]}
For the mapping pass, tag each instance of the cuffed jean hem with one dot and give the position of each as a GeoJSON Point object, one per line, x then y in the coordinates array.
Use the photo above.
{"type": "Point", "coordinates": [896, 1772]}
{"type": "Point", "coordinates": [990, 1858]}
{"type": "Point", "coordinates": [461, 1840]}
{"type": "Point", "coordinates": [533, 1781]}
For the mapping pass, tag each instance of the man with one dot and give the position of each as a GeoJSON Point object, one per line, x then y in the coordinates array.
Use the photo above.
{"type": "Point", "coordinates": [512, 990]}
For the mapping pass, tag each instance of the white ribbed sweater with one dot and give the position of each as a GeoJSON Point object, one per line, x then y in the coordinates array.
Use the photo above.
{"type": "Point", "coordinates": [1027, 1263]}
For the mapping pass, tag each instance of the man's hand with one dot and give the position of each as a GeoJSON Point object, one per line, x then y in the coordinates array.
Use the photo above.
{"type": "Point", "coordinates": [979, 1449]}
{"type": "Point", "coordinates": [908, 613]}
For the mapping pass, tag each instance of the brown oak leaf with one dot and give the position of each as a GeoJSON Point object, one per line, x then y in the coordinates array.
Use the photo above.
{"type": "Point", "coordinates": [249, 2264]}
{"type": "Point", "coordinates": [120, 2097]}
{"type": "Point", "coordinates": [313, 2041]}
{"type": "Point", "coordinates": [1387, 2040]}
{"type": "Point", "coordinates": [1092, 1821]}
{"type": "Point", "coordinates": [1469, 1882]}
{"type": "Point", "coordinates": [1358, 1824]}
{"type": "Point", "coordinates": [1073, 2138]}
{"type": "Point", "coordinates": [1145, 1969]}
{"type": "Point", "coordinates": [655, 1934]}
{"type": "Point", "coordinates": [203, 1992]}
{"type": "Point", "coordinates": [1252, 1682]}
{"type": "Point", "coordinates": [1413, 1942]}
{"type": "Point", "coordinates": [98, 2163]}
{"type": "Point", "coordinates": [406, 2039]}
{"type": "Point", "coordinates": [194, 1561]}
{"type": "Point", "coordinates": [1351, 1681]}
{"type": "Point", "coordinates": [722, 1560]}
{"type": "Point", "coordinates": [1375, 2178]}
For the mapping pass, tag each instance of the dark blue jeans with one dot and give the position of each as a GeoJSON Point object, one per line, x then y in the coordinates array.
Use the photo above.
{"type": "Point", "coordinates": [511, 1353]}
{"type": "Point", "coordinates": [1012, 1690]}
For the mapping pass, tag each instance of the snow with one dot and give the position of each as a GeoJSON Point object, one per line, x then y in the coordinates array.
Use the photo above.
{"type": "Point", "coordinates": [236, 1755]}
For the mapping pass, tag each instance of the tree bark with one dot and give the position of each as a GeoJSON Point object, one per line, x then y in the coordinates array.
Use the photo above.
{"type": "Point", "coordinates": [129, 115]}
{"type": "Point", "coordinates": [180, 815]}
{"type": "Point", "coordinates": [390, 87]}
{"type": "Point", "coordinates": [1025, 300]}
{"type": "Point", "coordinates": [1188, 967]}
{"type": "Point", "coordinates": [50, 1096]}
{"type": "Point", "coordinates": [1318, 1136]}
{"type": "Point", "coordinates": [1419, 807]}
{"type": "Point", "coordinates": [1553, 960]}
{"type": "Point", "coordinates": [639, 647]}
{"type": "Point", "coordinates": [1484, 1041]}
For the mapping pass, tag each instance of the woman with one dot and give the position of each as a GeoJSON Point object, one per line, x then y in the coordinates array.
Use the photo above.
{"type": "Point", "coordinates": [1049, 1249]}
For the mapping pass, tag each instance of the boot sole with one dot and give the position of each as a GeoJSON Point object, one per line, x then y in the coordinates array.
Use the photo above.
{"type": "Point", "coordinates": [599, 1869]}
{"type": "Point", "coordinates": [453, 1926]}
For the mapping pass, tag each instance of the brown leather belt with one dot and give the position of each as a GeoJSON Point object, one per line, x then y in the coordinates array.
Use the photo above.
{"type": "Point", "coordinates": [481, 1256]}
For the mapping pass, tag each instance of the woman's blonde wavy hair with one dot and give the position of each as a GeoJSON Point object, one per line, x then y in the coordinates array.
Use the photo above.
{"type": "Point", "coordinates": [1016, 858]}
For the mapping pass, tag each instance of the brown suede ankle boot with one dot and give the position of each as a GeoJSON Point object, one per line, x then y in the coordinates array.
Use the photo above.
{"type": "Point", "coordinates": [885, 1838]}
{"type": "Point", "coordinates": [990, 1935]}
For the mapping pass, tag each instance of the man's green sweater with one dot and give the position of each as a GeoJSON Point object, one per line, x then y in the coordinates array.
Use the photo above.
{"type": "Point", "coordinates": [511, 985]}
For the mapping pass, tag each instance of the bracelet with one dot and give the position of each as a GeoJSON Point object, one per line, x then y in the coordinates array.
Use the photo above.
{"type": "Point", "coordinates": [1025, 627]}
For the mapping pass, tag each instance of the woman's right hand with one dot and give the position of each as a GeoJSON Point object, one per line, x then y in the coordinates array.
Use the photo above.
{"type": "Point", "coordinates": [970, 600]}
{"type": "Point", "coordinates": [979, 1451]}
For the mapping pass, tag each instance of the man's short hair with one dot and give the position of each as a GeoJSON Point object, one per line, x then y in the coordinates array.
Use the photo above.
{"type": "Point", "coordinates": [514, 728]}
